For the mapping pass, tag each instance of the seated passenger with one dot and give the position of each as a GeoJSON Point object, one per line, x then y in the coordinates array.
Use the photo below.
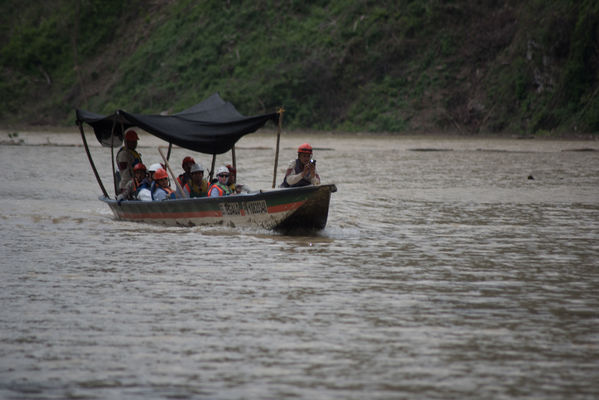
{"type": "Point", "coordinates": [145, 192]}
{"type": "Point", "coordinates": [220, 188]}
{"type": "Point", "coordinates": [235, 187]}
{"type": "Point", "coordinates": [138, 182]}
{"type": "Point", "coordinates": [162, 190]}
{"type": "Point", "coordinates": [186, 175]}
{"type": "Point", "coordinates": [197, 186]}
{"type": "Point", "coordinates": [302, 171]}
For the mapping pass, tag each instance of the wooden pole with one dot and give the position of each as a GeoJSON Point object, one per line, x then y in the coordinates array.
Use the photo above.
{"type": "Point", "coordinates": [91, 162]}
{"type": "Point", "coordinates": [212, 167]}
{"type": "Point", "coordinates": [168, 154]}
{"type": "Point", "coordinates": [274, 178]}
{"type": "Point", "coordinates": [167, 165]}
{"type": "Point", "coordinates": [172, 174]}
{"type": "Point", "coordinates": [116, 189]}
{"type": "Point", "coordinates": [233, 156]}
{"type": "Point", "coordinates": [129, 167]}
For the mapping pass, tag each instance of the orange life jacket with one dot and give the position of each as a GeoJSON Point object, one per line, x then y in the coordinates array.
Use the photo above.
{"type": "Point", "coordinates": [222, 189]}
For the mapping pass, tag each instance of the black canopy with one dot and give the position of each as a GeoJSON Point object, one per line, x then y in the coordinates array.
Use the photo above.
{"type": "Point", "coordinates": [212, 126]}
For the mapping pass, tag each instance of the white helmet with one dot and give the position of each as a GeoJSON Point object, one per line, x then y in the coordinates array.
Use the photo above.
{"type": "Point", "coordinates": [154, 167]}
{"type": "Point", "coordinates": [197, 167]}
{"type": "Point", "coordinates": [222, 170]}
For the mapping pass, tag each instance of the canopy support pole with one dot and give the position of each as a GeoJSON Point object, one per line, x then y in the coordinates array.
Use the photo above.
{"type": "Point", "coordinates": [212, 167]}
{"type": "Point", "coordinates": [91, 161]}
{"type": "Point", "coordinates": [116, 189]}
{"type": "Point", "coordinates": [274, 178]}
{"type": "Point", "coordinates": [168, 153]}
{"type": "Point", "coordinates": [233, 156]}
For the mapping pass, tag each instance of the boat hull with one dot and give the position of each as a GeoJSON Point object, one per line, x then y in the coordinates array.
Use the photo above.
{"type": "Point", "coordinates": [280, 209]}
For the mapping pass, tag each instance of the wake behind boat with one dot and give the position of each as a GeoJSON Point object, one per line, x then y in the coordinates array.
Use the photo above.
{"type": "Point", "coordinates": [210, 127]}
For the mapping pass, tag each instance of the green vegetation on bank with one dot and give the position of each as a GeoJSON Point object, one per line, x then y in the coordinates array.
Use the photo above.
{"type": "Point", "coordinates": [381, 66]}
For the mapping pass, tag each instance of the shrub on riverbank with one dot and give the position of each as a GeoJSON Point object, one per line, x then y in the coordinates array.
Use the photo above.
{"type": "Point", "coordinates": [334, 65]}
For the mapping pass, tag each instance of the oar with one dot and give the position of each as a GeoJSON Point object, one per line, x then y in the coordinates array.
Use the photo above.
{"type": "Point", "coordinates": [172, 174]}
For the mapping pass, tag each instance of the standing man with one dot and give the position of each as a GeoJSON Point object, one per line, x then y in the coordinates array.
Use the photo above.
{"type": "Point", "coordinates": [302, 171]}
{"type": "Point", "coordinates": [127, 158]}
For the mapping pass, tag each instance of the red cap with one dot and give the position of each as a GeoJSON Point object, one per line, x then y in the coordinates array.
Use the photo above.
{"type": "Point", "coordinates": [232, 170]}
{"type": "Point", "coordinates": [186, 160]}
{"type": "Point", "coordinates": [139, 166]}
{"type": "Point", "coordinates": [131, 135]}
{"type": "Point", "coordinates": [160, 174]}
{"type": "Point", "coordinates": [305, 148]}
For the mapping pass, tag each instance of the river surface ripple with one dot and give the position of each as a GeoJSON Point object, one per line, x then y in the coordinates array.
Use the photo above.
{"type": "Point", "coordinates": [444, 272]}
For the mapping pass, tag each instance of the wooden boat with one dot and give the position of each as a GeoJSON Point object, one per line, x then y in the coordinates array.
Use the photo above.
{"type": "Point", "coordinates": [303, 208]}
{"type": "Point", "coordinates": [213, 127]}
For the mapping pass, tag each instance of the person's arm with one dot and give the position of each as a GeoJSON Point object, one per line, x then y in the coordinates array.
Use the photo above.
{"type": "Point", "coordinates": [144, 195]}
{"type": "Point", "coordinates": [316, 178]}
{"type": "Point", "coordinates": [159, 195]}
{"type": "Point", "coordinates": [308, 173]}
{"type": "Point", "coordinates": [242, 188]}
{"type": "Point", "coordinates": [293, 178]}
{"type": "Point", "coordinates": [122, 160]}
{"type": "Point", "coordinates": [127, 192]}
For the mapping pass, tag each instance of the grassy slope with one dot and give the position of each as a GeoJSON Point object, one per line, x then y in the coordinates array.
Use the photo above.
{"type": "Point", "coordinates": [484, 66]}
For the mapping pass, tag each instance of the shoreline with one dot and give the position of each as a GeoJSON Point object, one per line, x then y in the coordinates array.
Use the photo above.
{"type": "Point", "coordinates": [57, 136]}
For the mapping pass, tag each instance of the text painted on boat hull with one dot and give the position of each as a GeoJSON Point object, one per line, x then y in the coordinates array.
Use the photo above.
{"type": "Point", "coordinates": [250, 208]}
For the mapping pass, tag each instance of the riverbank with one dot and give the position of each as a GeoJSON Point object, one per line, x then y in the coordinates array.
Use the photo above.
{"type": "Point", "coordinates": [64, 136]}
{"type": "Point", "coordinates": [387, 66]}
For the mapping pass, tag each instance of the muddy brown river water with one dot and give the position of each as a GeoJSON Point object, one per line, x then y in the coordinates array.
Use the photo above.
{"type": "Point", "coordinates": [443, 273]}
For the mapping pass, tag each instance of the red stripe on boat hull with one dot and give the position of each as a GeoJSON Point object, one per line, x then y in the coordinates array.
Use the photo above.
{"type": "Point", "coordinates": [206, 214]}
